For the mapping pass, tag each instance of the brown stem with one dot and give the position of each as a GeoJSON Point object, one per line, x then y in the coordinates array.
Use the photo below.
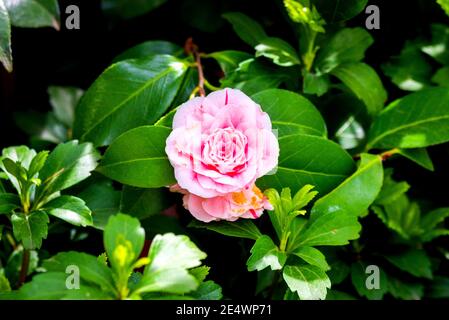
{"type": "Point", "coordinates": [24, 267]}
{"type": "Point", "coordinates": [191, 48]}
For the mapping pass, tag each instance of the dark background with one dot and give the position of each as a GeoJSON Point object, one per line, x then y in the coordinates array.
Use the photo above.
{"type": "Point", "coordinates": [44, 57]}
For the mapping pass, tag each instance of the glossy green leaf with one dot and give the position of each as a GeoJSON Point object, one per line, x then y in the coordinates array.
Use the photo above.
{"type": "Point", "coordinates": [70, 209]}
{"type": "Point", "coordinates": [290, 113]}
{"type": "Point", "coordinates": [431, 220]}
{"type": "Point", "coordinates": [333, 220]}
{"type": "Point", "coordinates": [308, 281]}
{"type": "Point", "coordinates": [37, 164]}
{"type": "Point", "coordinates": [172, 280]}
{"type": "Point", "coordinates": [63, 101]}
{"type": "Point", "coordinates": [229, 60]}
{"type": "Point", "coordinates": [8, 202]}
{"type": "Point", "coordinates": [265, 253]}
{"type": "Point", "coordinates": [33, 13]}
{"type": "Point", "coordinates": [413, 261]}
{"type": "Point", "coordinates": [142, 203]}
{"type": "Point", "coordinates": [68, 164]}
{"type": "Point", "coordinates": [360, 278]}
{"type": "Point", "coordinates": [123, 240]}
{"type": "Point", "coordinates": [150, 48]}
{"type": "Point", "coordinates": [30, 228]}
{"type": "Point", "coordinates": [5, 38]}
{"type": "Point", "coordinates": [420, 156]}
{"type": "Point", "coordinates": [312, 256]}
{"type": "Point", "coordinates": [240, 229]}
{"type": "Point", "coordinates": [418, 120]}
{"type": "Point", "coordinates": [20, 154]}
{"type": "Point", "coordinates": [340, 10]}
{"type": "Point", "coordinates": [246, 28]}
{"type": "Point", "coordinates": [310, 160]}
{"type": "Point", "coordinates": [364, 82]}
{"type": "Point", "coordinates": [137, 158]}
{"type": "Point", "coordinates": [346, 46]}
{"type": "Point", "coordinates": [276, 49]}
{"type": "Point", "coordinates": [125, 10]}
{"type": "Point", "coordinates": [90, 269]}
{"type": "Point", "coordinates": [128, 94]}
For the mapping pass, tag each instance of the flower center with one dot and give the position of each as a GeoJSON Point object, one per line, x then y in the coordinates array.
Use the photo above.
{"type": "Point", "coordinates": [225, 150]}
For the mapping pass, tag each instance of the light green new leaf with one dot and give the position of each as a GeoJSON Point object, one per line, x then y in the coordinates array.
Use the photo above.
{"type": "Point", "coordinates": [33, 13]}
{"type": "Point", "coordinates": [310, 160]}
{"type": "Point", "coordinates": [137, 158]}
{"type": "Point", "coordinates": [5, 38]}
{"type": "Point", "coordinates": [312, 256]}
{"type": "Point", "coordinates": [90, 269]}
{"type": "Point", "coordinates": [308, 281]}
{"type": "Point", "coordinates": [240, 229]}
{"type": "Point", "coordinates": [418, 120]}
{"type": "Point", "coordinates": [68, 164]}
{"type": "Point", "coordinates": [346, 46]}
{"type": "Point", "coordinates": [291, 113]}
{"type": "Point", "coordinates": [333, 220]}
{"type": "Point", "coordinates": [431, 220]}
{"type": "Point", "coordinates": [445, 5]}
{"type": "Point", "coordinates": [30, 228]}
{"type": "Point", "coordinates": [413, 261]}
{"type": "Point", "coordinates": [128, 94]}
{"type": "Point", "coordinates": [281, 52]}
{"type": "Point", "coordinates": [246, 28]}
{"type": "Point", "coordinates": [123, 240]}
{"type": "Point", "coordinates": [364, 82]}
{"type": "Point", "coordinates": [265, 253]}
{"type": "Point", "coordinates": [20, 154]}
{"type": "Point", "coordinates": [70, 209]}
{"type": "Point", "coordinates": [173, 280]}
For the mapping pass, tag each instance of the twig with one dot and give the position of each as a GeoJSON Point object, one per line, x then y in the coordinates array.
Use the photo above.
{"type": "Point", "coordinates": [191, 48]}
{"type": "Point", "coordinates": [24, 267]}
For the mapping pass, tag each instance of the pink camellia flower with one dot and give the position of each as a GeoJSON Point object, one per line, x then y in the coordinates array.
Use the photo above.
{"type": "Point", "coordinates": [248, 203]}
{"type": "Point", "coordinates": [220, 144]}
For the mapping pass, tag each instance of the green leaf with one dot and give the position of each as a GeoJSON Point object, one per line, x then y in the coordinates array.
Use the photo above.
{"type": "Point", "coordinates": [128, 94]}
{"type": "Point", "coordinates": [311, 160]}
{"type": "Point", "coordinates": [125, 10]}
{"type": "Point", "coordinates": [439, 288]}
{"type": "Point", "coordinates": [123, 240]}
{"type": "Point", "coordinates": [291, 113]}
{"type": "Point", "coordinates": [431, 220]}
{"type": "Point", "coordinates": [364, 82]}
{"type": "Point", "coordinates": [315, 84]}
{"type": "Point", "coordinates": [200, 273]}
{"type": "Point", "coordinates": [30, 228]}
{"type": "Point", "coordinates": [142, 203]}
{"type": "Point", "coordinates": [172, 280]}
{"type": "Point", "coordinates": [305, 13]}
{"type": "Point", "coordinates": [102, 207]}
{"type": "Point", "coordinates": [4, 283]}
{"type": "Point", "coordinates": [63, 101]}
{"type": "Point", "coordinates": [346, 46]}
{"type": "Point", "coordinates": [333, 220]}
{"type": "Point", "coordinates": [229, 60]}
{"type": "Point", "coordinates": [240, 229]}
{"type": "Point", "coordinates": [137, 158]}
{"type": "Point", "coordinates": [265, 254]}
{"type": "Point", "coordinates": [246, 28]}
{"type": "Point", "coordinates": [9, 202]}
{"type": "Point", "coordinates": [37, 164]}
{"type": "Point", "coordinates": [418, 120]}
{"type": "Point", "coordinates": [410, 70]}
{"type": "Point", "coordinates": [441, 77]}
{"type": "Point", "coordinates": [208, 290]}
{"type": "Point", "coordinates": [438, 46]}
{"type": "Point", "coordinates": [420, 156]}
{"type": "Point", "coordinates": [405, 290]}
{"type": "Point", "coordinates": [5, 38]}
{"type": "Point", "coordinates": [70, 209]}
{"type": "Point", "coordinates": [90, 269]}
{"type": "Point", "coordinates": [445, 5]}
{"type": "Point", "coordinates": [22, 155]}
{"type": "Point", "coordinates": [413, 261]}
{"type": "Point", "coordinates": [391, 190]}
{"type": "Point", "coordinates": [149, 48]}
{"type": "Point", "coordinates": [340, 10]}
{"type": "Point", "coordinates": [281, 52]}
{"type": "Point", "coordinates": [361, 278]}
{"type": "Point", "coordinates": [68, 164]}
{"type": "Point", "coordinates": [312, 256]}
{"type": "Point", "coordinates": [308, 281]}
{"type": "Point", "coordinates": [33, 13]}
